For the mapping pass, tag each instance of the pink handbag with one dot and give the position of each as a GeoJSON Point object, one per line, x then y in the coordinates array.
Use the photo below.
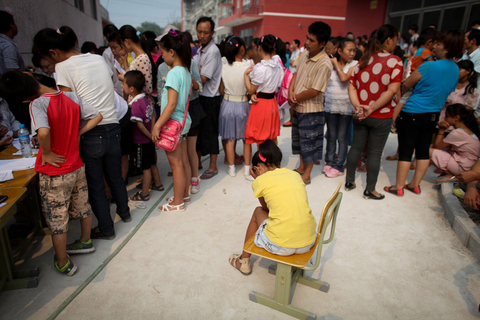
{"type": "Point", "coordinates": [171, 131]}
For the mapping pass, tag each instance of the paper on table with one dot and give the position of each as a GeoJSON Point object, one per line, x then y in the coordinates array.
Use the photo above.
{"type": "Point", "coordinates": [16, 143]}
{"type": "Point", "coordinates": [6, 175]}
{"type": "Point", "coordinates": [17, 164]}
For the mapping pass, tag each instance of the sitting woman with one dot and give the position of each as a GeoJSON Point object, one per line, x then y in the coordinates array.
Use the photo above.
{"type": "Point", "coordinates": [458, 151]}
{"type": "Point", "coordinates": [283, 224]}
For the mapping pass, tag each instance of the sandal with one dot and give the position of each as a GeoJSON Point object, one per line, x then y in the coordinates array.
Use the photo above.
{"type": "Point", "coordinates": [158, 188]}
{"type": "Point", "coordinates": [245, 264]}
{"type": "Point", "coordinates": [172, 208]}
{"type": "Point", "coordinates": [415, 190]}
{"type": "Point", "coordinates": [398, 192]}
{"type": "Point", "coordinates": [138, 197]}
{"type": "Point", "coordinates": [186, 200]}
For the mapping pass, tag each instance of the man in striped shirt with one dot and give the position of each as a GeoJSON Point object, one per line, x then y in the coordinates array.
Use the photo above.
{"type": "Point", "coordinates": [305, 95]}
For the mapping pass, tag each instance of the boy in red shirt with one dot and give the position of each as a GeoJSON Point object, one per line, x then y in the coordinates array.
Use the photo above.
{"type": "Point", "coordinates": [59, 118]}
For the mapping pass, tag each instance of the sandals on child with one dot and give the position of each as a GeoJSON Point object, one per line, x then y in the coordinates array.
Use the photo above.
{"type": "Point", "coordinates": [172, 208]}
{"type": "Point", "coordinates": [186, 200]}
{"type": "Point", "coordinates": [138, 197]}
{"type": "Point", "coordinates": [157, 188]}
{"type": "Point", "coordinates": [245, 264]}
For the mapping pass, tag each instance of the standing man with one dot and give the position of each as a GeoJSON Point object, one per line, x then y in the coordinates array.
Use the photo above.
{"type": "Point", "coordinates": [295, 52]}
{"type": "Point", "coordinates": [210, 65]}
{"type": "Point", "coordinates": [10, 58]}
{"type": "Point", "coordinates": [306, 96]}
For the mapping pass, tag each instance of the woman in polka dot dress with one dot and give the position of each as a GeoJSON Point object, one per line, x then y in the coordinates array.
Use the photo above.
{"type": "Point", "coordinates": [143, 62]}
{"type": "Point", "coordinates": [373, 84]}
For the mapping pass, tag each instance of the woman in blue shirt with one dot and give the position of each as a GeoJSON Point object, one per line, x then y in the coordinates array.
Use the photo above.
{"type": "Point", "coordinates": [433, 81]}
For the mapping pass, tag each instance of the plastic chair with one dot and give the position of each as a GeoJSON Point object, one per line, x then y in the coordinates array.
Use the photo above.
{"type": "Point", "coordinates": [290, 269]}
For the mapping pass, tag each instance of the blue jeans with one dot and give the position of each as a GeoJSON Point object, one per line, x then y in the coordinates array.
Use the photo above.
{"type": "Point", "coordinates": [101, 152]}
{"type": "Point", "coordinates": [337, 129]}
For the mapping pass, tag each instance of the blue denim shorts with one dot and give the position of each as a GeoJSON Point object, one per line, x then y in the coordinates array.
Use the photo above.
{"type": "Point", "coordinates": [262, 241]}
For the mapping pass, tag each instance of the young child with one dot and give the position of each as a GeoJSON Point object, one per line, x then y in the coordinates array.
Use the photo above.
{"type": "Point", "coordinates": [59, 118]}
{"type": "Point", "coordinates": [283, 224]}
{"type": "Point", "coordinates": [338, 108]}
{"type": "Point", "coordinates": [234, 110]}
{"type": "Point", "coordinates": [142, 112]}
{"type": "Point", "coordinates": [262, 81]}
{"type": "Point", "coordinates": [458, 151]}
{"type": "Point", "coordinates": [177, 54]}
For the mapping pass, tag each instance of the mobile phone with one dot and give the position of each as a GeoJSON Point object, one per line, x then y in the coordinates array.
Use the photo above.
{"type": "Point", "coordinates": [331, 56]}
{"type": "Point", "coordinates": [3, 198]}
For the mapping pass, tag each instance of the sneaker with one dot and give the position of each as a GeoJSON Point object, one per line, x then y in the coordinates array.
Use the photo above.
{"type": "Point", "coordinates": [459, 193]}
{"type": "Point", "coordinates": [80, 247]}
{"type": "Point", "coordinates": [68, 269]}
{"type": "Point", "coordinates": [333, 173]}
{"type": "Point", "coordinates": [195, 186]}
{"type": "Point", "coordinates": [326, 169]}
{"type": "Point", "coordinates": [249, 177]}
{"type": "Point", "coordinates": [231, 173]}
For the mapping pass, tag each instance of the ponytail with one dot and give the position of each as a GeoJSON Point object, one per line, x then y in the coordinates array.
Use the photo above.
{"type": "Point", "coordinates": [281, 50]}
{"type": "Point", "coordinates": [63, 39]}
{"type": "Point", "coordinates": [466, 116]}
{"type": "Point", "coordinates": [268, 43]}
{"type": "Point", "coordinates": [129, 32]}
{"type": "Point", "coordinates": [472, 78]}
{"type": "Point", "coordinates": [178, 42]}
{"type": "Point", "coordinates": [376, 42]}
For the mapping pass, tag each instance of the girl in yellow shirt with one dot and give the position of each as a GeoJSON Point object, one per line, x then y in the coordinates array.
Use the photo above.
{"type": "Point", "coordinates": [283, 224]}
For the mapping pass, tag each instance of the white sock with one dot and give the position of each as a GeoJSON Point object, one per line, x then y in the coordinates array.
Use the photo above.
{"type": "Point", "coordinates": [247, 170]}
{"type": "Point", "coordinates": [194, 178]}
{"type": "Point", "coordinates": [231, 168]}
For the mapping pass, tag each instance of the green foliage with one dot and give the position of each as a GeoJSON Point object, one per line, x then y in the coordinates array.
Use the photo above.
{"type": "Point", "coordinates": [150, 26]}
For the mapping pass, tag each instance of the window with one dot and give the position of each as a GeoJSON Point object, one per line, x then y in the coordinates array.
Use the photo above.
{"type": "Point", "coordinates": [453, 18]}
{"type": "Point", "coordinates": [246, 4]}
{"type": "Point", "coordinates": [247, 36]}
{"type": "Point", "coordinates": [432, 17]}
{"type": "Point", "coordinates": [93, 7]}
{"type": "Point", "coordinates": [401, 5]}
{"type": "Point", "coordinates": [79, 5]}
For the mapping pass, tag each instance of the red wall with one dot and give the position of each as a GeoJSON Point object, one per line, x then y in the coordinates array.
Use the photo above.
{"type": "Point", "coordinates": [363, 20]}
{"type": "Point", "coordinates": [289, 28]}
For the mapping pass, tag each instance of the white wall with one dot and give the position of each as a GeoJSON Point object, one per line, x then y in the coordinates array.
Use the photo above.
{"type": "Point", "coordinates": [33, 15]}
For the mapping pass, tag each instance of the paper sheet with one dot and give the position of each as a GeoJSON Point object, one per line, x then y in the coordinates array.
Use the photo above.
{"type": "Point", "coordinates": [6, 175]}
{"type": "Point", "coordinates": [17, 164]}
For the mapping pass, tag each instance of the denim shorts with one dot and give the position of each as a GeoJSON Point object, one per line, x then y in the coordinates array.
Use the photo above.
{"type": "Point", "coordinates": [262, 241]}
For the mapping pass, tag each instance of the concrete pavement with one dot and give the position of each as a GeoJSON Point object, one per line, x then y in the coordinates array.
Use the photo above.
{"type": "Point", "coordinates": [392, 259]}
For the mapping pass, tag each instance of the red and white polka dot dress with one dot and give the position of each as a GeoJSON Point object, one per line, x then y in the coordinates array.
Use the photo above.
{"type": "Point", "coordinates": [373, 80]}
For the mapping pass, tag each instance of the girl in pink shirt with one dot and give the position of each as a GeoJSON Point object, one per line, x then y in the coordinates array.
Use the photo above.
{"type": "Point", "coordinates": [458, 151]}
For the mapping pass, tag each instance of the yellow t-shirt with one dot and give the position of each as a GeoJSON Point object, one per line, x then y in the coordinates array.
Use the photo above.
{"type": "Point", "coordinates": [291, 223]}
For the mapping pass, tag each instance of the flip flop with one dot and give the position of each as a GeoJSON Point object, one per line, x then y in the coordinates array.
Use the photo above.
{"type": "Point", "coordinates": [442, 180]}
{"type": "Point", "coordinates": [208, 175]}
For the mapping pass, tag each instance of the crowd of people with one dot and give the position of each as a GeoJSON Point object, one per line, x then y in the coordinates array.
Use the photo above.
{"type": "Point", "coordinates": [99, 115]}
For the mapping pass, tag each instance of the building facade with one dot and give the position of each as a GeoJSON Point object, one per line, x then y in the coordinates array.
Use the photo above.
{"type": "Point", "coordinates": [83, 16]}
{"type": "Point", "coordinates": [290, 19]}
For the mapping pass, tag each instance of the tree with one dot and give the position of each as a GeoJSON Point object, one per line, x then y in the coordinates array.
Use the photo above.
{"type": "Point", "coordinates": [150, 26]}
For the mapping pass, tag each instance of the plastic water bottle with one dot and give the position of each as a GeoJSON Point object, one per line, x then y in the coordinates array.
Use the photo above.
{"type": "Point", "coordinates": [23, 136]}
